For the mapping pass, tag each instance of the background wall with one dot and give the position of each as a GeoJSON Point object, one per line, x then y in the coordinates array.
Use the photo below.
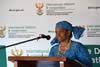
{"type": "Point", "coordinates": [22, 20]}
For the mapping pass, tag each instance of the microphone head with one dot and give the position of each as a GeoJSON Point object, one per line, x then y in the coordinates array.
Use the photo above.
{"type": "Point", "coordinates": [45, 36]}
{"type": "Point", "coordinates": [48, 37]}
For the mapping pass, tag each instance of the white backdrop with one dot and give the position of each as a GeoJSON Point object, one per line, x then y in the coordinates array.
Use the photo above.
{"type": "Point", "coordinates": [23, 21]}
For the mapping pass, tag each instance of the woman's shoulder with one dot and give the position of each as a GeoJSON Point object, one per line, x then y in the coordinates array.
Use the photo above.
{"type": "Point", "coordinates": [77, 44]}
{"type": "Point", "coordinates": [78, 47]}
{"type": "Point", "coordinates": [55, 46]}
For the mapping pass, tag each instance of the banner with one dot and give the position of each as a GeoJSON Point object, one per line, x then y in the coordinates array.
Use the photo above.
{"type": "Point", "coordinates": [94, 51]}
{"type": "Point", "coordinates": [22, 20]}
{"type": "Point", "coordinates": [3, 60]}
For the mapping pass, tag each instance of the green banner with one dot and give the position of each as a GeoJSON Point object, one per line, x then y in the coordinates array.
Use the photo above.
{"type": "Point", "coordinates": [3, 61]}
{"type": "Point", "coordinates": [94, 51]}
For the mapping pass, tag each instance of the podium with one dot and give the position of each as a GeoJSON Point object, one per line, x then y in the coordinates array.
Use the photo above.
{"type": "Point", "coordinates": [41, 61]}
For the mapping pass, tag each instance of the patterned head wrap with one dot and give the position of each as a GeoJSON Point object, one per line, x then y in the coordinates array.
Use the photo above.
{"type": "Point", "coordinates": [77, 31]}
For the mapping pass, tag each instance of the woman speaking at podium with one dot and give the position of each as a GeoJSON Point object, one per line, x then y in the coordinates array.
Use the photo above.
{"type": "Point", "coordinates": [65, 47]}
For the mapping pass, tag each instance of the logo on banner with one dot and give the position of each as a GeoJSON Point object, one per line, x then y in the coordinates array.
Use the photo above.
{"type": "Point", "coordinates": [2, 29]}
{"type": "Point", "coordinates": [39, 7]}
{"type": "Point", "coordinates": [17, 52]}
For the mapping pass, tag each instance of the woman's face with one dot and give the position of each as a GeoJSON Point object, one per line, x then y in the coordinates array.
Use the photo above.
{"type": "Point", "coordinates": [62, 34]}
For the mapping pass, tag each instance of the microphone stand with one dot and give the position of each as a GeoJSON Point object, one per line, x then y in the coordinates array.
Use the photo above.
{"type": "Point", "coordinates": [20, 43]}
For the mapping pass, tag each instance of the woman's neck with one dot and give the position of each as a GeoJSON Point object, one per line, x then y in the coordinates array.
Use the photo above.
{"type": "Point", "coordinates": [65, 42]}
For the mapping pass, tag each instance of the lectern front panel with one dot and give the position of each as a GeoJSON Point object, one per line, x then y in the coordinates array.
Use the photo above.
{"type": "Point", "coordinates": [48, 64]}
{"type": "Point", "coordinates": [38, 64]}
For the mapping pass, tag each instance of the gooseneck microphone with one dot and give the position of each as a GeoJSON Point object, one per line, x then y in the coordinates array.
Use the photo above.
{"type": "Point", "coordinates": [41, 36]}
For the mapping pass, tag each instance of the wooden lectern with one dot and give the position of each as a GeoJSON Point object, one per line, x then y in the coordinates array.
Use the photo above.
{"type": "Point", "coordinates": [35, 61]}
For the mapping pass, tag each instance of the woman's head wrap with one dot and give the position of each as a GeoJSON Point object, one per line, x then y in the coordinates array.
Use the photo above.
{"type": "Point", "coordinates": [77, 31]}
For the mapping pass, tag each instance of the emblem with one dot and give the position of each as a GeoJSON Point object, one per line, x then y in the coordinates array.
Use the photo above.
{"type": "Point", "coordinates": [39, 6]}
{"type": "Point", "coordinates": [2, 29]}
{"type": "Point", "coordinates": [17, 52]}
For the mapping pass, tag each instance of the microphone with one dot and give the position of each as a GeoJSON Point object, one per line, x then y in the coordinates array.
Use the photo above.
{"type": "Point", "coordinates": [45, 36]}
{"type": "Point", "coordinates": [41, 36]}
